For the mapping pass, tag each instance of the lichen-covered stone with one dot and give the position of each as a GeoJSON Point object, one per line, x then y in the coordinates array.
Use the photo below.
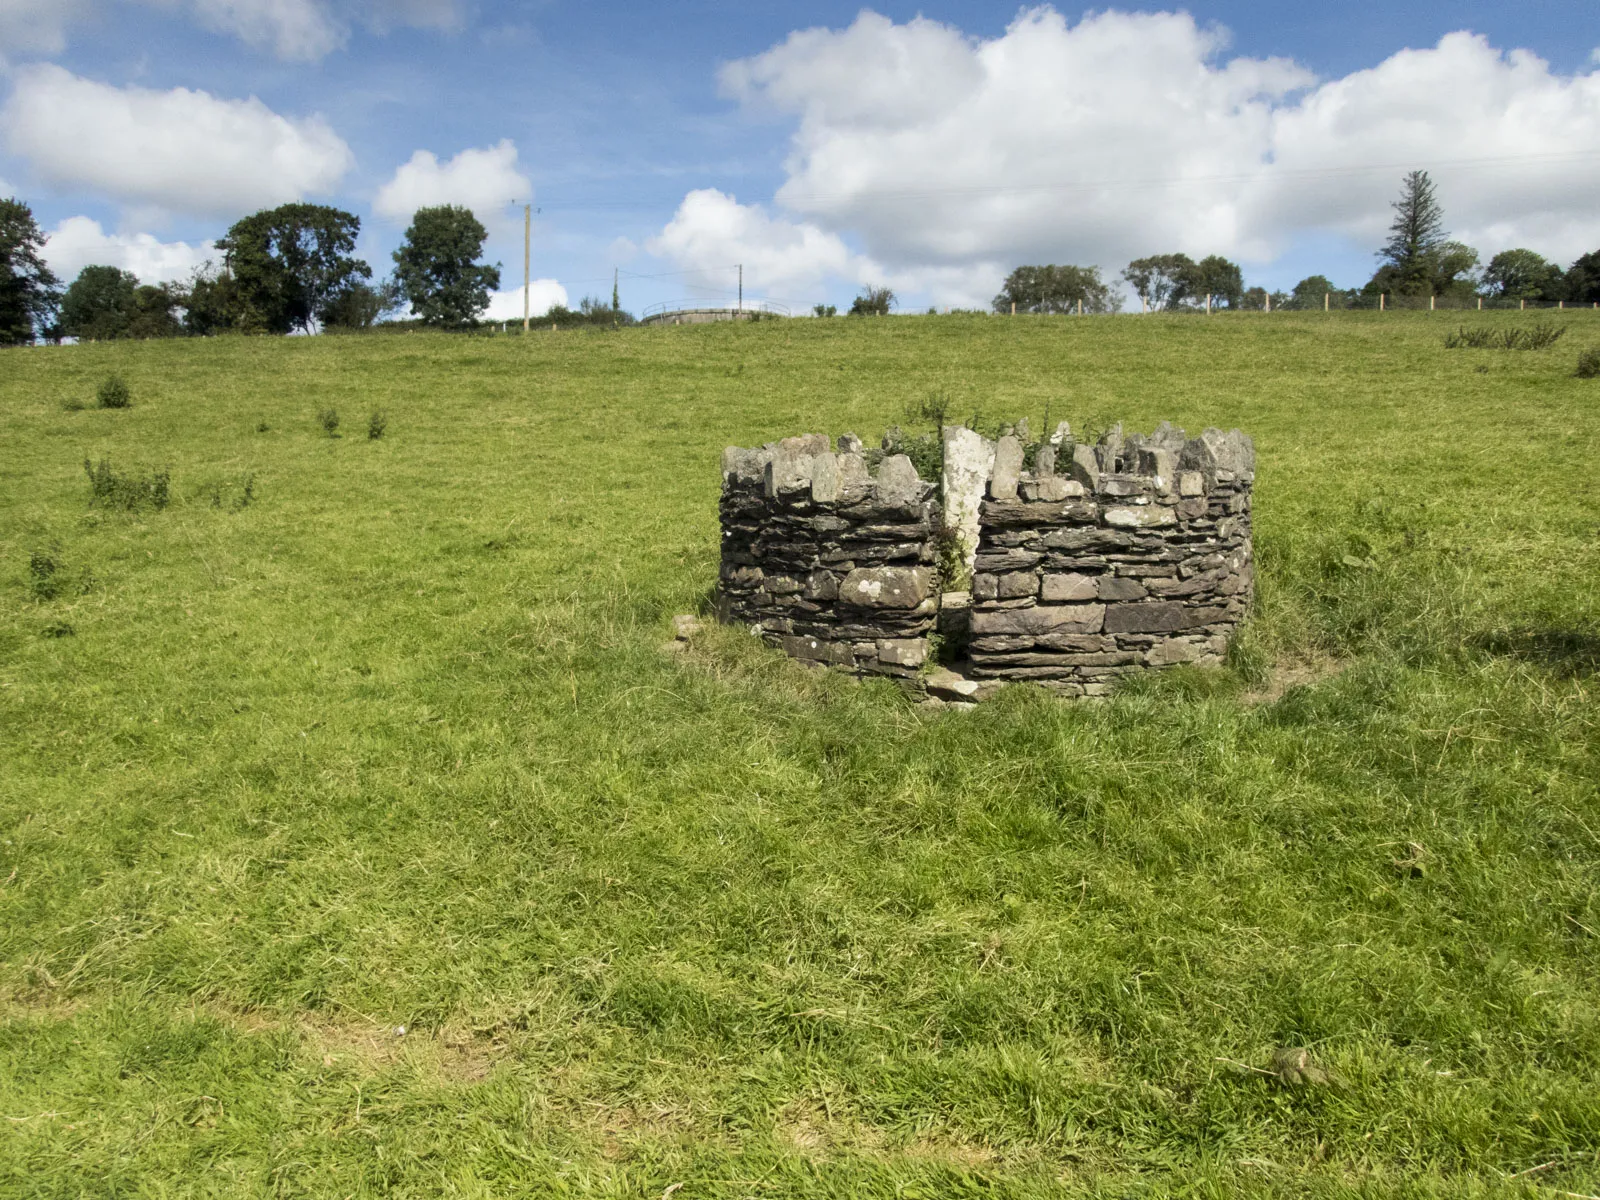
{"type": "Point", "coordinates": [902, 652]}
{"type": "Point", "coordinates": [1143, 516]}
{"type": "Point", "coordinates": [886, 587]}
{"type": "Point", "coordinates": [968, 462]}
{"type": "Point", "coordinates": [1007, 468]}
{"type": "Point", "coordinates": [898, 485]}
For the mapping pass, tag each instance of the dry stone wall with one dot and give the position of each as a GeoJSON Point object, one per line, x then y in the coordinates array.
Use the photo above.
{"type": "Point", "coordinates": [1091, 562]}
{"type": "Point", "coordinates": [1124, 556]}
{"type": "Point", "coordinates": [827, 558]}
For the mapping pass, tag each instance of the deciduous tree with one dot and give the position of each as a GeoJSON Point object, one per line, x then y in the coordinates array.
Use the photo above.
{"type": "Point", "coordinates": [360, 305]}
{"type": "Point", "coordinates": [1162, 280]}
{"type": "Point", "coordinates": [1583, 279]}
{"type": "Point", "coordinates": [1523, 275]}
{"type": "Point", "coordinates": [1053, 289]}
{"type": "Point", "coordinates": [155, 312]}
{"type": "Point", "coordinates": [873, 302]}
{"type": "Point", "coordinates": [1218, 278]}
{"type": "Point", "coordinates": [437, 269]}
{"type": "Point", "coordinates": [29, 290]}
{"type": "Point", "coordinates": [99, 304]}
{"type": "Point", "coordinates": [1310, 292]}
{"type": "Point", "coordinates": [291, 264]}
{"type": "Point", "coordinates": [215, 303]}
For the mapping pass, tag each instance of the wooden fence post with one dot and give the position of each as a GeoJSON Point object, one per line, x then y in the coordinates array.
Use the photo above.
{"type": "Point", "coordinates": [1380, 301]}
{"type": "Point", "coordinates": [1430, 302]}
{"type": "Point", "coordinates": [1325, 296]}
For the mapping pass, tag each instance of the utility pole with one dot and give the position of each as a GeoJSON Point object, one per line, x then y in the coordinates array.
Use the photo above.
{"type": "Point", "coordinates": [527, 243]}
{"type": "Point", "coordinates": [741, 288]}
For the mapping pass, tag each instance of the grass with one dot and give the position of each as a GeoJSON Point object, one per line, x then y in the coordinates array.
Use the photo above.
{"type": "Point", "coordinates": [395, 745]}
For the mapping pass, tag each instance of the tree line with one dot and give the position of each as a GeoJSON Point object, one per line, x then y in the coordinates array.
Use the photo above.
{"type": "Point", "coordinates": [1419, 260]}
{"type": "Point", "coordinates": [285, 269]}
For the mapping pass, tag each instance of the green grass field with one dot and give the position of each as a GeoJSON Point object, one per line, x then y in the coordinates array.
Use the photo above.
{"type": "Point", "coordinates": [397, 745]}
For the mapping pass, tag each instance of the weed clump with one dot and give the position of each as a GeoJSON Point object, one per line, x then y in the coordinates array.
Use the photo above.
{"type": "Point", "coordinates": [108, 489]}
{"type": "Point", "coordinates": [49, 574]}
{"type": "Point", "coordinates": [328, 418]}
{"type": "Point", "coordinates": [44, 573]}
{"type": "Point", "coordinates": [114, 393]}
{"type": "Point", "coordinates": [1535, 337]}
{"type": "Point", "coordinates": [925, 450]}
{"type": "Point", "coordinates": [1589, 364]}
{"type": "Point", "coordinates": [376, 424]}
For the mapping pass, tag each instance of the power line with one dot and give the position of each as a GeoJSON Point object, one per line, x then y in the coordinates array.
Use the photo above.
{"type": "Point", "coordinates": [1266, 172]}
{"type": "Point", "coordinates": [1309, 173]}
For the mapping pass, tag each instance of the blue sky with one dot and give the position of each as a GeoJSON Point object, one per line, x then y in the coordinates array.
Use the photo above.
{"type": "Point", "coordinates": [619, 112]}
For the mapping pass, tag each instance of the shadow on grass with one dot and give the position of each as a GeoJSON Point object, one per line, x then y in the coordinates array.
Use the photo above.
{"type": "Point", "coordinates": [1565, 652]}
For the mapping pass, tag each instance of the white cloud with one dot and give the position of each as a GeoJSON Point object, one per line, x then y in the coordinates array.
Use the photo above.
{"type": "Point", "coordinates": [308, 30]}
{"type": "Point", "coordinates": [297, 30]}
{"type": "Point", "coordinates": [178, 150]}
{"type": "Point", "coordinates": [36, 26]}
{"type": "Point", "coordinates": [543, 295]}
{"type": "Point", "coordinates": [1460, 101]}
{"type": "Point", "coordinates": [486, 181]}
{"type": "Point", "coordinates": [711, 230]}
{"type": "Point", "coordinates": [948, 159]}
{"type": "Point", "coordinates": [78, 242]}
{"type": "Point", "coordinates": [301, 30]}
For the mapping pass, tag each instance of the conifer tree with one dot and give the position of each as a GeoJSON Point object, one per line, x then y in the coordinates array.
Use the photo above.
{"type": "Point", "coordinates": [1415, 235]}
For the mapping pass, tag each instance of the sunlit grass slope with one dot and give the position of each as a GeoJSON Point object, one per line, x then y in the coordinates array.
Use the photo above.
{"type": "Point", "coordinates": [397, 745]}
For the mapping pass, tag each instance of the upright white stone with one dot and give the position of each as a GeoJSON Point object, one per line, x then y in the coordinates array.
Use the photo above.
{"type": "Point", "coordinates": [968, 460]}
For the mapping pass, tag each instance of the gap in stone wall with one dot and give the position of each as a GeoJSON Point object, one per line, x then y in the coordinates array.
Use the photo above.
{"type": "Point", "coordinates": [1094, 561]}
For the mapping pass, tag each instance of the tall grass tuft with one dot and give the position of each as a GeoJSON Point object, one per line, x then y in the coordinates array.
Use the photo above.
{"type": "Point", "coordinates": [1535, 337]}
{"type": "Point", "coordinates": [1589, 364]}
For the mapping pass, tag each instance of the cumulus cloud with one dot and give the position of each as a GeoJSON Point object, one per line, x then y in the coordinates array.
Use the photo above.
{"type": "Point", "coordinates": [485, 180]}
{"type": "Point", "coordinates": [712, 229]}
{"type": "Point", "coordinates": [78, 242]}
{"type": "Point", "coordinates": [179, 150]}
{"type": "Point", "coordinates": [543, 295]}
{"type": "Point", "coordinates": [946, 159]}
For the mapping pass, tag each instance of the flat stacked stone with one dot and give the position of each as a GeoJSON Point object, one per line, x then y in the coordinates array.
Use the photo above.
{"type": "Point", "coordinates": [1105, 560]}
{"type": "Point", "coordinates": [827, 559]}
